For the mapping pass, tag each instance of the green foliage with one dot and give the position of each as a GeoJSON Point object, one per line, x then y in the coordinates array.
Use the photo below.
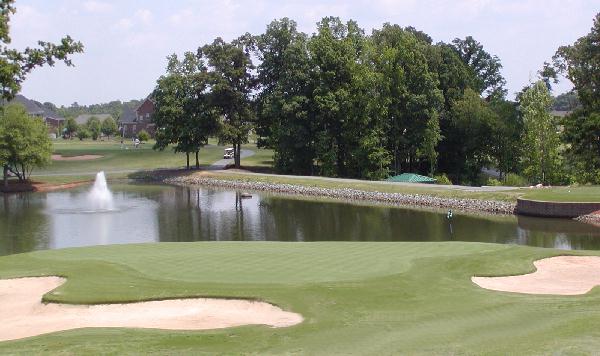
{"type": "Point", "coordinates": [114, 108]}
{"type": "Point", "coordinates": [472, 125]}
{"type": "Point", "coordinates": [285, 117]}
{"type": "Point", "coordinates": [109, 127]}
{"type": "Point", "coordinates": [515, 180]}
{"type": "Point", "coordinates": [541, 158]}
{"type": "Point", "coordinates": [24, 142]}
{"type": "Point", "coordinates": [184, 114]}
{"type": "Point", "coordinates": [581, 64]}
{"type": "Point", "coordinates": [16, 65]}
{"type": "Point", "coordinates": [143, 135]}
{"type": "Point", "coordinates": [83, 133]}
{"type": "Point", "coordinates": [94, 126]}
{"type": "Point", "coordinates": [232, 82]}
{"type": "Point", "coordinates": [71, 127]}
{"type": "Point", "coordinates": [493, 182]}
{"type": "Point", "coordinates": [442, 179]}
{"type": "Point", "coordinates": [566, 102]}
{"type": "Point", "coordinates": [489, 80]}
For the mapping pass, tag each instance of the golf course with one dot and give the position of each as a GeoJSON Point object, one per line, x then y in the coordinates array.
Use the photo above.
{"type": "Point", "coordinates": [355, 298]}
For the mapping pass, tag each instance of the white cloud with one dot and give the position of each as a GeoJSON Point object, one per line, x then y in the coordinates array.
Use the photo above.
{"type": "Point", "coordinates": [97, 6]}
{"type": "Point", "coordinates": [123, 24]}
{"type": "Point", "coordinates": [144, 16]}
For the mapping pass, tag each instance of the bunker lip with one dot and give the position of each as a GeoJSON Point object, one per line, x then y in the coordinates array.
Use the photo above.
{"type": "Point", "coordinates": [57, 157]}
{"type": "Point", "coordinates": [24, 314]}
{"type": "Point", "coordinates": [561, 275]}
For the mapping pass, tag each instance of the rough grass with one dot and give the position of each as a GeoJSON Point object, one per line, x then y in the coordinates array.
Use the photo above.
{"type": "Point", "coordinates": [357, 298]}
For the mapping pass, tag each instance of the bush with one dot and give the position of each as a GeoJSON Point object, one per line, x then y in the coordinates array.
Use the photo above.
{"type": "Point", "coordinates": [443, 179]}
{"type": "Point", "coordinates": [493, 182]}
{"type": "Point", "coordinates": [515, 180]}
{"type": "Point", "coordinates": [82, 134]}
{"type": "Point", "coordinates": [143, 135]}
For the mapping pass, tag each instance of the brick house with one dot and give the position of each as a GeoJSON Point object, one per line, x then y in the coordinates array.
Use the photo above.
{"type": "Point", "coordinates": [134, 121]}
{"type": "Point", "coordinates": [36, 109]}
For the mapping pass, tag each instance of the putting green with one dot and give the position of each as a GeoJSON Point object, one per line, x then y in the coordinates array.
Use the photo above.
{"type": "Point", "coordinates": [359, 298]}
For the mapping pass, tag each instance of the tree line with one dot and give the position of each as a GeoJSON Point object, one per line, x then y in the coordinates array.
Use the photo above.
{"type": "Point", "coordinates": [342, 103]}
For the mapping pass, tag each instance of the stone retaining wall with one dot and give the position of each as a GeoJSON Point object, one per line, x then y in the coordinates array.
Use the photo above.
{"type": "Point", "coordinates": [489, 206]}
{"type": "Point", "coordinates": [555, 209]}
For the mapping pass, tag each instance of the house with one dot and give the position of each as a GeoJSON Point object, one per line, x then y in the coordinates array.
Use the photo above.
{"type": "Point", "coordinates": [84, 118]}
{"type": "Point", "coordinates": [36, 109]}
{"type": "Point", "coordinates": [133, 121]}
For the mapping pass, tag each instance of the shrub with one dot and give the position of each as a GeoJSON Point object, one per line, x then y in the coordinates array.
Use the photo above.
{"type": "Point", "coordinates": [493, 182]}
{"type": "Point", "coordinates": [515, 180]}
{"type": "Point", "coordinates": [443, 179]}
{"type": "Point", "coordinates": [82, 134]}
{"type": "Point", "coordinates": [143, 135]}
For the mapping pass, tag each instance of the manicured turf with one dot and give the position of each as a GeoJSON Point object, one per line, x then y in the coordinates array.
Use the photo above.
{"type": "Point", "coordinates": [566, 194]}
{"type": "Point", "coordinates": [117, 159]}
{"type": "Point", "coordinates": [357, 298]}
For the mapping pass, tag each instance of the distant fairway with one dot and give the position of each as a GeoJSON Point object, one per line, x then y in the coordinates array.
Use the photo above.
{"type": "Point", "coordinates": [360, 298]}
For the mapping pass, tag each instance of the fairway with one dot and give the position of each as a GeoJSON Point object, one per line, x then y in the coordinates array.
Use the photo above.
{"type": "Point", "coordinates": [358, 298]}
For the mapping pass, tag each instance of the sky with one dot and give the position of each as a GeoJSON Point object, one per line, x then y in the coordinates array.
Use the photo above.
{"type": "Point", "coordinates": [127, 41]}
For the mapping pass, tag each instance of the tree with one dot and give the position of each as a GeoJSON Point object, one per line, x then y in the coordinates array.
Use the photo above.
{"type": "Point", "coordinates": [232, 85]}
{"type": "Point", "coordinates": [143, 135]}
{"type": "Point", "coordinates": [410, 98]}
{"type": "Point", "coordinates": [486, 67]}
{"type": "Point", "coordinates": [94, 127]}
{"type": "Point", "coordinates": [83, 133]}
{"type": "Point", "coordinates": [580, 63]}
{"type": "Point", "coordinates": [24, 142]}
{"type": "Point", "coordinates": [473, 121]}
{"type": "Point", "coordinates": [16, 65]}
{"type": "Point", "coordinates": [71, 127]}
{"type": "Point", "coordinates": [541, 158]}
{"type": "Point", "coordinates": [284, 114]}
{"type": "Point", "coordinates": [183, 114]}
{"type": "Point", "coordinates": [109, 127]}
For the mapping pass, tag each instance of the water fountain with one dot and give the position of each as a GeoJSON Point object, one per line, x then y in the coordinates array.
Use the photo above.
{"type": "Point", "coordinates": [100, 197]}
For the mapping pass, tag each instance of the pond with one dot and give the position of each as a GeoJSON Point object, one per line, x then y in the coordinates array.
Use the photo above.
{"type": "Point", "coordinates": [153, 213]}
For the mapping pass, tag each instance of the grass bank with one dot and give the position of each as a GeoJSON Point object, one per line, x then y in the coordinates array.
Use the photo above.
{"type": "Point", "coordinates": [356, 298]}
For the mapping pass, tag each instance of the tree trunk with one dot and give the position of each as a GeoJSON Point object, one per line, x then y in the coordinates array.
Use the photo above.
{"type": "Point", "coordinates": [5, 176]}
{"type": "Point", "coordinates": [237, 154]}
{"type": "Point", "coordinates": [197, 161]}
{"type": "Point", "coordinates": [187, 160]}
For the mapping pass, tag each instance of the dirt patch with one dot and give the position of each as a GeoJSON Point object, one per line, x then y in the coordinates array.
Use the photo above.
{"type": "Point", "coordinates": [24, 315]}
{"type": "Point", "coordinates": [562, 275]}
{"type": "Point", "coordinates": [75, 158]}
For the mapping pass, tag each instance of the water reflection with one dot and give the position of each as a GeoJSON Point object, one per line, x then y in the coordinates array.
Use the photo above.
{"type": "Point", "coordinates": [149, 213]}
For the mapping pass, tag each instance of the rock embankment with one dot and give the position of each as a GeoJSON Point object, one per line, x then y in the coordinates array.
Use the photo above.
{"type": "Point", "coordinates": [488, 206]}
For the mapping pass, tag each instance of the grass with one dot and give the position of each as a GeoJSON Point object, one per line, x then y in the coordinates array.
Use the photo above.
{"type": "Point", "coordinates": [356, 298]}
{"type": "Point", "coordinates": [120, 163]}
{"type": "Point", "coordinates": [566, 194]}
{"type": "Point", "coordinates": [510, 195]}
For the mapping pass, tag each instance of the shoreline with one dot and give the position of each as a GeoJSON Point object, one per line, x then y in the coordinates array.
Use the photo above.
{"type": "Point", "coordinates": [420, 200]}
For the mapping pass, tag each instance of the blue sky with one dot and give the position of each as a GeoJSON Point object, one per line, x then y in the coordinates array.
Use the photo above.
{"type": "Point", "coordinates": [126, 42]}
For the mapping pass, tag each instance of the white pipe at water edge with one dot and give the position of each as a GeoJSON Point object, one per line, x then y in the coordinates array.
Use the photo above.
{"type": "Point", "coordinates": [100, 197]}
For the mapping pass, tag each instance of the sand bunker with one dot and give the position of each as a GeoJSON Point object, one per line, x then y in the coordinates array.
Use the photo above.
{"type": "Point", "coordinates": [22, 314]}
{"type": "Point", "coordinates": [562, 275]}
{"type": "Point", "coordinates": [75, 158]}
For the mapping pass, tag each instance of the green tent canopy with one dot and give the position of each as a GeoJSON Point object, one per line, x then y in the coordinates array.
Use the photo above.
{"type": "Point", "coordinates": [411, 178]}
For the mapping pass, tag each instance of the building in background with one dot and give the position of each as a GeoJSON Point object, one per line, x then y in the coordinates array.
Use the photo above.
{"type": "Point", "coordinates": [37, 109]}
{"type": "Point", "coordinates": [132, 121]}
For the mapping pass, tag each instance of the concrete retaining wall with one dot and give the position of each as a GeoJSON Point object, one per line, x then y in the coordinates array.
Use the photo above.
{"type": "Point", "coordinates": [555, 209]}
